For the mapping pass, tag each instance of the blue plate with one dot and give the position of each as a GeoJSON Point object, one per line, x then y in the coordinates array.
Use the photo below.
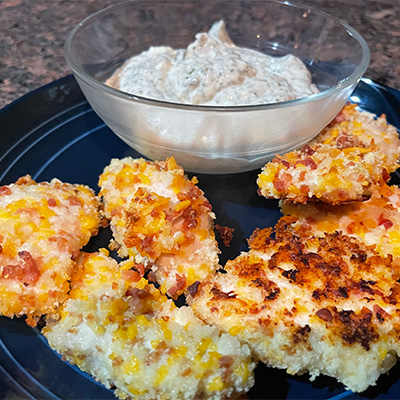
{"type": "Point", "coordinates": [53, 132]}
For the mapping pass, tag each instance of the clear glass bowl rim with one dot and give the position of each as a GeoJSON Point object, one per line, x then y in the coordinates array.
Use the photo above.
{"type": "Point", "coordinates": [350, 80]}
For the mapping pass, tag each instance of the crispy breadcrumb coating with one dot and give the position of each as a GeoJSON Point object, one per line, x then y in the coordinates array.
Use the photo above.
{"type": "Point", "coordinates": [162, 219]}
{"type": "Point", "coordinates": [326, 305]}
{"type": "Point", "coordinates": [128, 335]}
{"type": "Point", "coordinates": [346, 162]}
{"type": "Point", "coordinates": [42, 228]}
{"type": "Point", "coordinates": [375, 222]}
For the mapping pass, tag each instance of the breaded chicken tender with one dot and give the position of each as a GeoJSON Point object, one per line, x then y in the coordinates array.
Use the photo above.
{"type": "Point", "coordinates": [162, 219]}
{"type": "Point", "coordinates": [128, 335]}
{"type": "Point", "coordinates": [326, 305]}
{"type": "Point", "coordinates": [375, 222]}
{"type": "Point", "coordinates": [42, 228]}
{"type": "Point", "coordinates": [347, 161]}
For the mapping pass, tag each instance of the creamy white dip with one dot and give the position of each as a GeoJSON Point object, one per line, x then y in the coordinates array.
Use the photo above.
{"type": "Point", "coordinates": [214, 71]}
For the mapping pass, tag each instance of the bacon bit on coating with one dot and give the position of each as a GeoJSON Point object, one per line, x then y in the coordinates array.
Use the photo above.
{"type": "Point", "coordinates": [324, 314]}
{"type": "Point", "coordinates": [5, 191]}
{"type": "Point", "coordinates": [75, 201]}
{"type": "Point", "coordinates": [193, 288]}
{"type": "Point", "coordinates": [26, 271]}
{"type": "Point", "coordinates": [226, 234]}
{"type": "Point", "coordinates": [219, 294]}
{"type": "Point", "coordinates": [301, 334]}
{"type": "Point", "coordinates": [306, 149]}
{"type": "Point", "coordinates": [52, 202]}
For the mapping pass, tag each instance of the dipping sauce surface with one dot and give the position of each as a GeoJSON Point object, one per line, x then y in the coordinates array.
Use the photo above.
{"type": "Point", "coordinates": [214, 71]}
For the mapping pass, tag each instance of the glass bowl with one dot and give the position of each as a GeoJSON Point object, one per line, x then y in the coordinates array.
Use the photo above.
{"type": "Point", "coordinates": [210, 139]}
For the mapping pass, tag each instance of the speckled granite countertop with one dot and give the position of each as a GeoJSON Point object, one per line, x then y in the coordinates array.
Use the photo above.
{"type": "Point", "coordinates": [32, 35]}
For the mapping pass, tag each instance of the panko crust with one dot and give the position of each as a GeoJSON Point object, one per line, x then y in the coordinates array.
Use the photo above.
{"type": "Point", "coordinates": [346, 162]}
{"type": "Point", "coordinates": [43, 227]}
{"type": "Point", "coordinates": [162, 219]}
{"type": "Point", "coordinates": [374, 222]}
{"type": "Point", "coordinates": [123, 331]}
{"type": "Point", "coordinates": [326, 305]}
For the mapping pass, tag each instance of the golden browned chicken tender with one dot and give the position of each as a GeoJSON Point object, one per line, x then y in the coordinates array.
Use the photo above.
{"type": "Point", "coordinates": [327, 305]}
{"type": "Point", "coordinates": [347, 161]}
{"type": "Point", "coordinates": [42, 228]}
{"type": "Point", "coordinates": [162, 219]}
{"type": "Point", "coordinates": [375, 222]}
{"type": "Point", "coordinates": [129, 336]}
